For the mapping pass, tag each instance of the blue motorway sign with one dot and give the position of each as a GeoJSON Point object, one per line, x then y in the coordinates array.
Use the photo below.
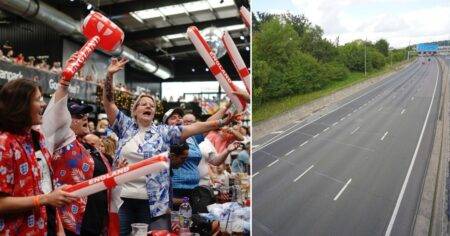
{"type": "Point", "coordinates": [427, 47]}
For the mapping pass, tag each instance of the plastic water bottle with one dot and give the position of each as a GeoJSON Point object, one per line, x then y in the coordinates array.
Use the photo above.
{"type": "Point", "coordinates": [185, 214]}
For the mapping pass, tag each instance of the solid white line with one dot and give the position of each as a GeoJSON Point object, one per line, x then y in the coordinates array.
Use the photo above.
{"type": "Point", "coordinates": [271, 164]}
{"type": "Point", "coordinates": [291, 151]}
{"type": "Point", "coordinates": [384, 136]}
{"type": "Point", "coordinates": [343, 118]}
{"type": "Point", "coordinates": [315, 136]}
{"type": "Point", "coordinates": [355, 130]}
{"type": "Point", "coordinates": [405, 182]}
{"type": "Point", "coordinates": [295, 180]}
{"type": "Point", "coordinates": [342, 190]}
{"type": "Point", "coordinates": [335, 123]}
{"type": "Point", "coordinates": [275, 139]}
{"type": "Point", "coordinates": [326, 129]}
{"type": "Point", "coordinates": [255, 174]}
{"type": "Point", "coordinates": [255, 146]}
{"type": "Point", "coordinates": [301, 145]}
{"type": "Point", "coordinates": [403, 111]}
{"type": "Point", "coordinates": [297, 121]}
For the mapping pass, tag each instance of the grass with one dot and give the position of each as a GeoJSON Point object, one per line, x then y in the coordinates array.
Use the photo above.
{"type": "Point", "coordinates": [279, 106]}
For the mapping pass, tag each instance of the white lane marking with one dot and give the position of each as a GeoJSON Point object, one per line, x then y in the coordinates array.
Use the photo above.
{"type": "Point", "coordinates": [255, 174]}
{"type": "Point", "coordinates": [349, 114]}
{"type": "Point", "coordinates": [403, 111]}
{"type": "Point", "coordinates": [301, 145]}
{"type": "Point", "coordinates": [255, 146]}
{"type": "Point", "coordinates": [381, 108]}
{"type": "Point", "coordinates": [291, 151]}
{"type": "Point", "coordinates": [384, 136]}
{"type": "Point", "coordinates": [271, 164]}
{"type": "Point", "coordinates": [297, 121]}
{"type": "Point", "coordinates": [408, 174]}
{"type": "Point", "coordinates": [335, 123]}
{"type": "Point", "coordinates": [343, 118]}
{"type": "Point", "coordinates": [294, 129]}
{"type": "Point", "coordinates": [326, 129]}
{"type": "Point", "coordinates": [295, 180]}
{"type": "Point", "coordinates": [412, 98]}
{"type": "Point", "coordinates": [277, 132]}
{"type": "Point", "coordinates": [342, 190]}
{"type": "Point", "coordinates": [315, 136]}
{"type": "Point", "coordinates": [355, 130]}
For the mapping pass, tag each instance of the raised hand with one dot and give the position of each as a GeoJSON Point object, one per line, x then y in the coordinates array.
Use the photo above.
{"type": "Point", "coordinates": [116, 65]}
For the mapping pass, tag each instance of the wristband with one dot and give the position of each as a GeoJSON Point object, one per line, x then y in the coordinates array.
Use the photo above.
{"type": "Point", "coordinates": [36, 202]}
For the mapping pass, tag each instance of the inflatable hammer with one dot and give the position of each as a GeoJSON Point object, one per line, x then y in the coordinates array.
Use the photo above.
{"type": "Point", "coordinates": [102, 33]}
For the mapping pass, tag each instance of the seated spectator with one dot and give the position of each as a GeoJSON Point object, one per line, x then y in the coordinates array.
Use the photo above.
{"type": "Point", "coordinates": [20, 59]}
{"type": "Point", "coordinates": [219, 175]}
{"type": "Point", "coordinates": [242, 162]}
{"type": "Point", "coordinates": [2, 56]}
{"type": "Point", "coordinates": [30, 62]}
{"type": "Point", "coordinates": [56, 68]}
{"type": "Point", "coordinates": [10, 56]}
{"type": "Point", "coordinates": [91, 126]}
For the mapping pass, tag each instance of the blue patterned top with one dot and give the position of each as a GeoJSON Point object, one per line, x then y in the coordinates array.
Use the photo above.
{"type": "Point", "coordinates": [158, 139]}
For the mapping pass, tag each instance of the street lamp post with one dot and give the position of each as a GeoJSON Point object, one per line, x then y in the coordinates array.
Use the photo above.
{"type": "Point", "coordinates": [365, 58]}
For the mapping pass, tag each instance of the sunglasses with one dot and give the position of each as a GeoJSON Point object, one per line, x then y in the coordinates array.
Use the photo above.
{"type": "Point", "coordinates": [79, 116]}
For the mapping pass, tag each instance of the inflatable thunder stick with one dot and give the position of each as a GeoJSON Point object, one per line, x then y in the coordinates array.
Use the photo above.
{"type": "Point", "coordinates": [215, 67]}
{"type": "Point", "coordinates": [237, 60]}
{"type": "Point", "coordinates": [246, 16]}
{"type": "Point", "coordinates": [120, 176]}
{"type": "Point", "coordinates": [102, 33]}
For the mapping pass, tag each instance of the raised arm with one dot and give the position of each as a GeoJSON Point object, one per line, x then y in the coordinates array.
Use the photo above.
{"type": "Point", "coordinates": [108, 89]}
{"type": "Point", "coordinates": [218, 159]}
{"type": "Point", "coordinates": [219, 114]}
{"type": "Point", "coordinates": [202, 127]}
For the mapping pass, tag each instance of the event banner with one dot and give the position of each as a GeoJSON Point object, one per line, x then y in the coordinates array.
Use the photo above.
{"type": "Point", "coordinates": [49, 81]}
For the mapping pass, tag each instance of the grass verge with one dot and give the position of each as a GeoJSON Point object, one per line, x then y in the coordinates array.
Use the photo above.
{"type": "Point", "coordinates": [279, 106]}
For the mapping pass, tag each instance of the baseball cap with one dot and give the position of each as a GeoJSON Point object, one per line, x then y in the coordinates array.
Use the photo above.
{"type": "Point", "coordinates": [79, 109]}
{"type": "Point", "coordinates": [170, 112]}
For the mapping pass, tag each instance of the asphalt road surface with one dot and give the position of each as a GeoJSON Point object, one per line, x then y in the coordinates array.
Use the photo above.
{"type": "Point", "coordinates": [358, 169]}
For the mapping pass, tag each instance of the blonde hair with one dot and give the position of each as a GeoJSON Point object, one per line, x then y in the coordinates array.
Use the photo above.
{"type": "Point", "coordinates": [102, 125]}
{"type": "Point", "coordinates": [110, 145]}
{"type": "Point", "coordinates": [138, 99]}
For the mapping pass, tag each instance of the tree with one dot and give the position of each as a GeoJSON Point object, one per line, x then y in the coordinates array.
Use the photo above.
{"type": "Point", "coordinates": [383, 47]}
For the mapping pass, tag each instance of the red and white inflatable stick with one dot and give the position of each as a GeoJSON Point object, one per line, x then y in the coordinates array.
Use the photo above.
{"type": "Point", "coordinates": [120, 176]}
{"type": "Point", "coordinates": [237, 60]}
{"type": "Point", "coordinates": [246, 16]}
{"type": "Point", "coordinates": [215, 67]}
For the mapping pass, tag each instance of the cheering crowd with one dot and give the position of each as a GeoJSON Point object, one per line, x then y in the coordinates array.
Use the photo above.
{"type": "Point", "coordinates": [44, 149]}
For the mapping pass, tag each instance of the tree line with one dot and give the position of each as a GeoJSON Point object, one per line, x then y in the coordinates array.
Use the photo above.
{"type": "Point", "coordinates": [290, 56]}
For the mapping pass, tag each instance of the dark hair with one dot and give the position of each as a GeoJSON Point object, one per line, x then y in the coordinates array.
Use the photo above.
{"type": "Point", "coordinates": [15, 101]}
{"type": "Point", "coordinates": [178, 149]}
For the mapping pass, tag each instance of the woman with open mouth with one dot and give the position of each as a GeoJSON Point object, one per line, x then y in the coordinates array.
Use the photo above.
{"type": "Point", "coordinates": [146, 199]}
{"type": "Point", "coordinates": [27, 197]}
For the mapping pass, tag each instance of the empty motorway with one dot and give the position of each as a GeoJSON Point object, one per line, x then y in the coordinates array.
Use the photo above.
{"type": "Point", "coordinates": [358, 169]}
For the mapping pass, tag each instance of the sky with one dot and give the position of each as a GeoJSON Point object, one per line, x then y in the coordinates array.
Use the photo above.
{"type": "Point", "coordinates": [400, 22]}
